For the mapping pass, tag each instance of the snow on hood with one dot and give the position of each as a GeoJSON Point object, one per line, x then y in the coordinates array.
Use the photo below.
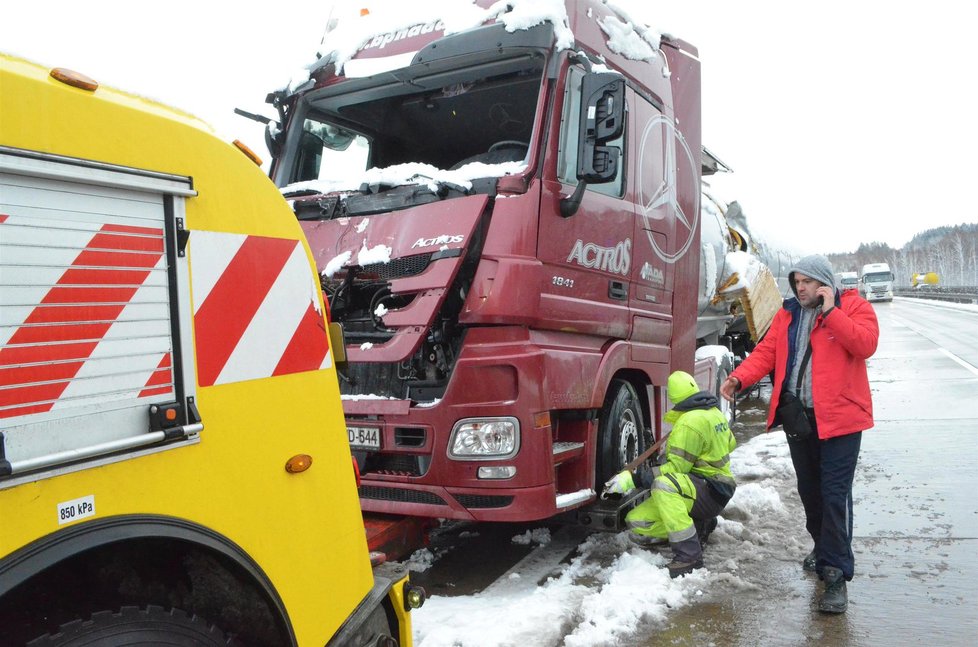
{"type": "Point", "coordinates": [376, 254]}
{"type": "Point", "coordinates": [335, 264]}
{"type": "Point", "coordinates": [414, 173]}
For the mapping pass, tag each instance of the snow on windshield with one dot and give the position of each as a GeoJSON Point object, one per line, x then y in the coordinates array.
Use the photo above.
{"type": "Point", "coordinates": [401, 174]}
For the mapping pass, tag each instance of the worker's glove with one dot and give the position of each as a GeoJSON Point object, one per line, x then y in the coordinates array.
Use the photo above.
{"type": "Point", "coordinates": [621, 483]}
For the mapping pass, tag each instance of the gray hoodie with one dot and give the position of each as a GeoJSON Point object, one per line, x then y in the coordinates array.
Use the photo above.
{"type": "Point", "coordinates": [819, 268]}
{"type": "Point", "coordinates": [815, 266]}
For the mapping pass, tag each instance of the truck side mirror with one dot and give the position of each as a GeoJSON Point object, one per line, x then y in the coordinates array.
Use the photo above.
{"type": "Point", "coordinates": [602, 120]}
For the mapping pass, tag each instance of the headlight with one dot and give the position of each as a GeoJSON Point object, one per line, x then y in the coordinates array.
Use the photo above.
{"type": "Point", "coordinates": [485, 438]}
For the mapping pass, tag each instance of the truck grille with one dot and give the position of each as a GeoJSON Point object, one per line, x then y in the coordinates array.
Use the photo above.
{"type": "Point", "coordinates": [398, 267]}
{"type": "Point", "coordinates": [399, 495]}
{"type": "Point", "coordinates": [393, 465]}
{"type": "Point", "coordinates": [483, 501]}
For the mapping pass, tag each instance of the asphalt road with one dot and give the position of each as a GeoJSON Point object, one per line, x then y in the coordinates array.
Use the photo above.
{"type": "Point", "coordinates": [916, 519]}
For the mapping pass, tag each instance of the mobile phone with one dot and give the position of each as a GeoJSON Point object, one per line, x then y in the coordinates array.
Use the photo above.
{"type": "Point", "coordinates": [819, 301]}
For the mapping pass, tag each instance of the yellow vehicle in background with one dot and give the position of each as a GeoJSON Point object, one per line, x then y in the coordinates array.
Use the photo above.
{"type": "Point", "coordinates": [174, 463]}
{"type": "Point", "coordinates": [924, 280]}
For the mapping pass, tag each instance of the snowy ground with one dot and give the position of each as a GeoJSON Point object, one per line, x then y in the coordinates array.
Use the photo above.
{"type": "Point", "coordinates": [610, 588]}
{"type": "Point", "coordinates": [916, 534]}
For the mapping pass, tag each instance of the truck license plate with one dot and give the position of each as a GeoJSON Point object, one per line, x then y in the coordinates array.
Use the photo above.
{"type": "Point", "coordinates": [364, 437]}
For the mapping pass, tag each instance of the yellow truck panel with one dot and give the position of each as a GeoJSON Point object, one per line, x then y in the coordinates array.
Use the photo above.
{"type": "Point", "coordinates": [132, 481]}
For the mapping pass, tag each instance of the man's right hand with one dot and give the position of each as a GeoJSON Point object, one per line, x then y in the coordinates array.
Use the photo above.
{"type": "Point", "coordinates": [729, 387]}
{"type": "Point", "coordinates": [621, 483]}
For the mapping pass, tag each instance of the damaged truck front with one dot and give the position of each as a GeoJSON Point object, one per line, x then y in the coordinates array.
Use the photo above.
{"type": "Point", "coordinates": [506, 220]}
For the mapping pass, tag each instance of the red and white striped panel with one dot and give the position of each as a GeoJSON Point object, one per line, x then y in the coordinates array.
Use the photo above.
{"type": "Point", "coordinates": [85, 318]}
{"type": "Point", "coordinates": [256, 311]}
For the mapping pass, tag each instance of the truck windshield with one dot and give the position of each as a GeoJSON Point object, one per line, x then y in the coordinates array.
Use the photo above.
{"type": "Point", "coordinates": [480, 114]}
{"type": "Point", "coordinates": [328, 150]}
{"type": "Point", "coordinates": [877, 277]}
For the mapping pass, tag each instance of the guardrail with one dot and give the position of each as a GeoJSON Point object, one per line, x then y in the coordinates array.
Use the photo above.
{"type": "Point", "coordinates": [955, 294]}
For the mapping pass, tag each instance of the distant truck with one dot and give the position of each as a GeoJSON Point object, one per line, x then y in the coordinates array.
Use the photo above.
{"type": "Point", "coordinates": [507, 220]}
{"type": "Point", "coordinates": [847, 280]}
{"type": "Point", "coordinates": [925, 280]}
{"type": "Point", "coordinates": [174, 466]}
{"type": "Point", "coordinates": [876, 282]}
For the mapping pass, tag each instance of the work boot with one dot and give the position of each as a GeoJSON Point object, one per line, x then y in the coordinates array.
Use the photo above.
{"type": "Point", "coordinates": [834, 598]}
{"type": "Point", "coordinates": [705, 528]}
{"type": "Point", "coordinates": [687, 556]}
{"type": "Point", "coordinates": [808, 564]}
{"type": "Point", "coordinates": [678, 568]}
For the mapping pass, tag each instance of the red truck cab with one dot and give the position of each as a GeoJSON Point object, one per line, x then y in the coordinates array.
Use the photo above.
{"type": "Point", "coordinates": [506, 219]}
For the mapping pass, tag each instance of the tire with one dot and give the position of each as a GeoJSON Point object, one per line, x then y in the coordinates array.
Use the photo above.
{"type": "Point", "coordinates": [621, 431]}
{"type": "Point", "coordinates": [134, 626]}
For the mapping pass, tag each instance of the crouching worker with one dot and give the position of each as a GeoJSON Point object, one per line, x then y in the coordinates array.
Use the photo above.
{"type": "Point", "coordinates": [690, 480]}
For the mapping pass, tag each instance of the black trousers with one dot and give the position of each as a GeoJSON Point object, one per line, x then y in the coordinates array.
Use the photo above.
{"type": "Point", "coordinates": [825, 470]}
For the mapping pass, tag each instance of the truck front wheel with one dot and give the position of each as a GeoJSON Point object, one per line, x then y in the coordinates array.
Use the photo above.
{"type": "Point", "coordinates": [133, 626]}
{"type": "Point", "coordinates": [621, 432]}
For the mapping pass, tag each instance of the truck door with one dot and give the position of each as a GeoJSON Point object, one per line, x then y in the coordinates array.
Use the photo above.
{"type": "Point", "coordinates": [587, 256]}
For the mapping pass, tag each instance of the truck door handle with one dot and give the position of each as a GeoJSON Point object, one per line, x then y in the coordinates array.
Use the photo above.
{"type": "Point", "coordinates": [617, 290]}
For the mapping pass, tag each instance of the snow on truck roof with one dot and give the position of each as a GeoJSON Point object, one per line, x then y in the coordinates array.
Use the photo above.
{"type": "Point", "coordinates": [359, 46]}
{"type": "Point", "coordinates": [352, 44]}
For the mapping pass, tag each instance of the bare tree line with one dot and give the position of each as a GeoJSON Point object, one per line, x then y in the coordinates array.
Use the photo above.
{"type": "Point", "coordinates": [951, 252]}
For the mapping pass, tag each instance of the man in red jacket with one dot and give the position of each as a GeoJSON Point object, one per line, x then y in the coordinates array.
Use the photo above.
{"type": "Point", "coordinates": [817, 347]}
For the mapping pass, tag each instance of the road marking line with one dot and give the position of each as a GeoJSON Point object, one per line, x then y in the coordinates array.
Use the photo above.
{"type": "Point", "coordinates": [959, 360]}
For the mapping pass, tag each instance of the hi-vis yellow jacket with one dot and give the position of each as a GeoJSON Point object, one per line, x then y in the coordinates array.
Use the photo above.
{"type": "Point", "coordinates": [700, 443]}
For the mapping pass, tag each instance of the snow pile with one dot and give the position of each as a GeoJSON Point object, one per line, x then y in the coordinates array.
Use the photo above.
{"type": "Point", "coordinates": [612, 589]}
{"type": "Point", "coordinates": [536, 536]}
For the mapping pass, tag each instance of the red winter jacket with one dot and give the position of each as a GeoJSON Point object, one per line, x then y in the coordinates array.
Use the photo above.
{"type": "Point", "coordinates": [841, 343]}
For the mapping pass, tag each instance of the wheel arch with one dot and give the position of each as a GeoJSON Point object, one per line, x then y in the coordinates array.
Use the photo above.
{"type": "Point", "coordinates": [129, 542]}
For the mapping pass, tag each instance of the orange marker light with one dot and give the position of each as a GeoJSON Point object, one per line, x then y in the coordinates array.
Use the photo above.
{"type": "Point", "coordinates": [247, 151]}
{"type": "Point", "coordinates": [298, 463]}
{"type": "Point", "coordinates": [74, 79]}
{"type": "Point", "coordinates": [171, 414]}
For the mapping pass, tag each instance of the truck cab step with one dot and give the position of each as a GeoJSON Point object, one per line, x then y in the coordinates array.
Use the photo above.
{"type": "Point", "coordinates": [564, 452]}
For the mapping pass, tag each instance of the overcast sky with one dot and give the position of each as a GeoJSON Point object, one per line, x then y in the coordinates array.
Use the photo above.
{"type": "Point", "coordinates": [844, 121]}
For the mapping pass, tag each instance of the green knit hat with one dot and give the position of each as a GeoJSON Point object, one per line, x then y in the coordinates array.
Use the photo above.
{"type": "Point", "coordinates": [681, 386]}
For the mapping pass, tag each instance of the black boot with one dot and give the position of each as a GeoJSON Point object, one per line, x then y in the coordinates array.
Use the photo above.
{"type": "Point", "coordinates": [687, 555]}
{"type": "Point", "coordinates": [835, 599]}
{"type": "Point", "coordinates": [808, 564]}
